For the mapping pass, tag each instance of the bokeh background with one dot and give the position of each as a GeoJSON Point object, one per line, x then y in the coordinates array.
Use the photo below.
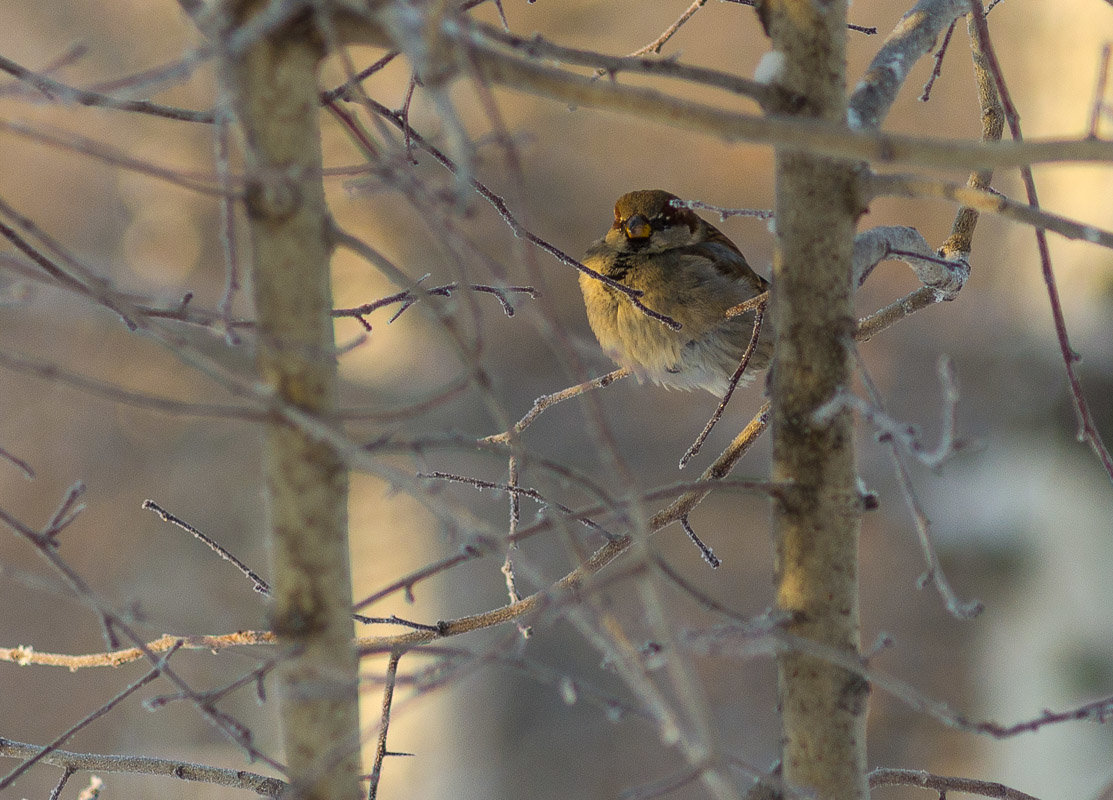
{"type": "Point", "coordinates": [1024, 516]}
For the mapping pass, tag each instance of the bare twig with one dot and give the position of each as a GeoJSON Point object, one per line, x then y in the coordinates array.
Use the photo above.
{"type": "Point", "coordinates": [56, 792]}
{"type": "Point", "coordinates": [913, 36]}
{"type": "Point", "coordinates": [1099, 91]}
{"type": "Point", "coordinates": [942, 784]}
{"type": "Point", "coordinates": [10, 778]}
{"type": "Point", "coordinates": [343, 91]}
{"type": "Point", "coordinates": [859, 28]}
{"type": "Point", "coordinates": [66, 513]}
{"type": "Point", "coordinates": [958, 608]}
{"type": "Point", "coordinates": [715, 642]}
{"type": "Point", "coordinates": [507, 569]}
{"type": "Point", "coordinates": [258, 584]}
{"type": "Point", "coordinates": [109, 391]}
{"type": "Point", "coordinates": [724, 213]}
{"type": "Point", "coordinates": [708, 554]}
{"type": "Point", "coordinates": [253, 677]}
{"type": "Point", "coordinates": [384, 723]}
{"type": "Point", "coordinates": [987, 201]}
{"type": "Point", "coordinates": [144, 765]}
{"type": "Point", "coordinates": [692, 495]}
{"type": "Point", "coordinates": [906, 436]}
{"type": "Point", "coordinates": [762, 640]}
{"type": "Point", "coordinates": [519, 230]}
{"type": "Point", "coordinates": [1087, 428]}
{"type": "Point", "coordinates": [408, 297]}
{"type": "Point", "coordinates": [27, 656]}
{"type": "Point", "coordinates": [543, 403]}
{"type": "Point", "coordinates": [658, 43]}
{"type": "Point", "coordinates": [18, 463]}
{"type": "Point", "coordinates": [937, 69]}
{"type": "Point", "coordinates": [201, 183]}
{"type": "Point", "coordinates": [113, 622]}
{"type": "Point", "coordinates": [900, 243]}
{"type": "Point", "coordinates": [228, 246]}
{"type": "Point", "coordinates": [758, 304]}
{"type": "Point", "coordinates": [993, 126]}
{"type": "Point", "coordinates": [59, 92]}
{"type": "Point", "coordinates": [537, 47]}
{"type": "Point", "coordinates": [514, 490]}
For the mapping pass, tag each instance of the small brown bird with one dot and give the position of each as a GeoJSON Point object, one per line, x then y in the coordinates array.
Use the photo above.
{"type": "Point", "coordinates": [687, 270]}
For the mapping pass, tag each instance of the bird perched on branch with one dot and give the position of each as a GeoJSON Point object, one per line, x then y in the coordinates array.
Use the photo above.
{"type": "Point", "coordinates": [687, 270]}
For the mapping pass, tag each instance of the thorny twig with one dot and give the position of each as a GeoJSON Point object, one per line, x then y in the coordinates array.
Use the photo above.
{"type": "Point", "coordinates": [384, 723]}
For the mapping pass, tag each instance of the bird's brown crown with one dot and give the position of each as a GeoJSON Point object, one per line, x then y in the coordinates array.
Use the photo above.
{"type": "Point", "coordinates": [655, 205]}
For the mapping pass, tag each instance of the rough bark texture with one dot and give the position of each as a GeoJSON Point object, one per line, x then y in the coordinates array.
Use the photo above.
{"type": "Point", "coordinates": [273, 83]}
{"type": "Point", "coordinates": [816, 520]}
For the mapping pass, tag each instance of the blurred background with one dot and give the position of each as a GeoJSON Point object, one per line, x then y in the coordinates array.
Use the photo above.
{"type": "Point", "coordinates": [1024, 516]}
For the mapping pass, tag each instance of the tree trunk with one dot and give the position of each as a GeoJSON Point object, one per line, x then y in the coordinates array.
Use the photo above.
{"type": "Point", "coordinates": [273, 83]}
{"type": "Point", "coordinates": [817, 515]}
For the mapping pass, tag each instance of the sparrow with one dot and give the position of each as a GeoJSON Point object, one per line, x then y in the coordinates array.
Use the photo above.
{"type": "Point", "coordinates": [686, 269]}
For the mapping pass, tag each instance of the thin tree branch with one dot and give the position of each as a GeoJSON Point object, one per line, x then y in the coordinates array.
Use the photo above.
{"type": "Point", "coordinates": [17, 462]}
{"type": "Point", "coordinates": [1087, 428]}
{"type": "Point", "coordinates": [61, 739]}
{"type": "Point", "coordinates": [895, 439]}
{"type": "Point", "coordinates": [144, 765]}
{"type": "Point", "coordinates": [384, 723]}
{"type": "Point", "coordinates": [759, 304]}
{"type": "Point", "coordinates": [537, 48]}
{"type": "Point", "coordinates": [109, 391]}
{"type": "Point", "coordinates": [883, 776]}
{"type": "Point", "coordinates": [59, 92]}
{"type": "Point", "coordinates": [113, 622]}
{"type": "Point", "coordinates": [658, 43]}
{"type": "Point", "coordinates": [937, 68]}
{"type": "Point", "coordinates": [986, 201]}
{"type": "Point", "coordinates": [819, 137]}
{"type": "Point", "coordinates": [545, 402]}
{"type": "Point", "coordinates": [912, 38]}
{"type": "Point", "coordinates": [258, 584]}
{"type": "Point", "coordinates": [28, 656]}
{"type": "Point", "coordinates": [1099, 91]}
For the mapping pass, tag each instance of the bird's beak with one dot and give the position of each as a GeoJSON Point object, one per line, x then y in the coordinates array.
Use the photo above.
{"type": "Point", "coordinates": [637, 227]}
